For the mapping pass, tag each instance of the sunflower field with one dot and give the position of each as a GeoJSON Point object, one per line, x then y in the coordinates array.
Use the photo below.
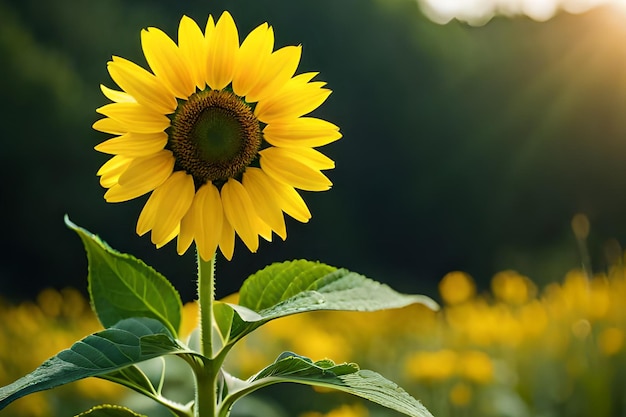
{"type": "Point", "coordinates": [512, 350]}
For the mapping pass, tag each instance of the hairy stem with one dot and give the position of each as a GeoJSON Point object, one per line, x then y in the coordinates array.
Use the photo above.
{"type": "Point", "coordinates": [206, 295]}
{"type": "Point", "coordinates": [206, 376]}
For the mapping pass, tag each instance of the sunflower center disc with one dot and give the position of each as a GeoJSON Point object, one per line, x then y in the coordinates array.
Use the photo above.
{"type": "Point", "coordinates": [214, 136]}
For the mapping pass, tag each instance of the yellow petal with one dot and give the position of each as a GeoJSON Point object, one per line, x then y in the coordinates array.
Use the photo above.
{"type": "Point", "coordinates": [291, 202]}
{"type": "Point", "coordinates": [278, 69]}
{"type": "Point", "coordinates": [307, 156]}
{"type": "Point", "coordinates": [264, 230]}
{"type": "Point", "coordinates": [153, 211]}
{"type": "Point", "coordinates": [111, 170]}
{"type": "Point", "coordinates": [209, 28]}
{"type": "Point", "coordinates": [240, 212]}
{"type": "Point", "coordinates": [193, 49]}
{"type": "Point", "coordinates": [227, 241]}
{"type": "Point", "coordinates": [303, 131]}
{"type": "Point", "coordinates": [117, 96]}
{"type": "Point", "coordinates": [255, 50]}
{"type": "Point", "coordinates": [147, 218]}
{"type": "Point", "coordinates": [280, 164]}
{"type": "Point", "coordinates": [209, 216]}
{"type": "Point", "coordinates": [203, 222]}
{"type": "Point", "coordinates": [295, 99]}
{"type": "Point", "coordinates": [134, 144]}
{"type": "Point", "coordinates": [169, 237]}
{"type": "Point", "coordinates": [142, 85]}
{"type": "Point", "coordinates": [264, 199]}
{"type": "Point", "coordinates": [136, 117]}
{"type": "Point", "coordinates": [111, 126]}
{"type": "Point", "coordinates": [172, 200]}
{"type": "Point", "coordinates": [108, 181]}
{"type": "Point", "coordinates": [166, 62]}
{"type": "Point", "coordinates": [113, 164]}
{"type": "Point", "coordinates": [222, 52]}
{"type": "Point", "coordinates": [187, 228]}
{"type": "Point", "coordinates": [142, 176]}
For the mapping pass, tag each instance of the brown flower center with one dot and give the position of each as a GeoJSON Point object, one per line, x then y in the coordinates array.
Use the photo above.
{"type": "Point", "coordinates": [214, 136]}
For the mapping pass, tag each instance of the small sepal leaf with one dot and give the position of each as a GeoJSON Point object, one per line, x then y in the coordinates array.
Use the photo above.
{"type": "Point", "coordinates": [288, 364]}
{"type": "Point", "coordinates": [122, 286]}
{"type": "Point", "coordinates": [282, 289]}
{"type": "Point", "coordinates": [107, 410]}
{"type": "Point", "coordinates": [106, 352]}
{"type": "Point", "coordinates": [133, 378]}
{"type": "Point", "coordinates": [346, 377]}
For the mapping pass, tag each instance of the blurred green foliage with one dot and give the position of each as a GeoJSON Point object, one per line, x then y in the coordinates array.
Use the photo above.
{"type": "Point", "coordinates": [464, 147]}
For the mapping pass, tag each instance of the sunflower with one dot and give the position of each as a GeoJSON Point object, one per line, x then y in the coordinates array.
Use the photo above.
{"type": "Point", "coordinates": [217, 132]}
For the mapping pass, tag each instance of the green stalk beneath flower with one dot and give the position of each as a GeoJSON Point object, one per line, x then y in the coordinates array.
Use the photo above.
{"type": "Point", "coordinates": [206, 296]}
{"type": "Point", "coordinates": [206, 395]}
{"type": "Point", "coordinates": [206, 376]}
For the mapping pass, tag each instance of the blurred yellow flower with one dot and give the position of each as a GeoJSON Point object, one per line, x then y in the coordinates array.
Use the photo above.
{"type": "Point", "coordinates": [533, 319]}
{"type": "Point", "coordinates": [41, 329]}
{"type": "Point", "coordinates": [460, 394]}
{"type": "Point", "coordinates": [189, 319]}
{"type": "Point", "coordinates": [36, 405]}
{"type": "Point", "coordinates": [313, 339]}
{"type": "Point", "coordinates": [576, 291]}
{"type": "Point", "coordinates": [50, 302]}
{"type": "Point", "coordinates": [512, 287]}
{"type": "Point", "coordinates": [599, 297]}
{"type": "Point", "coordinates": [431, 366]}
{"type": "Point", "coordinates": [611, 341]}
{"type": "Point", "coordinates": [217, 133]}
{"type": "Point", "coordinates": [476, 366]}
{"type": "Point", "coordinates": [581, 329]}
{"type": "Point", "coordinates": [456, 287]}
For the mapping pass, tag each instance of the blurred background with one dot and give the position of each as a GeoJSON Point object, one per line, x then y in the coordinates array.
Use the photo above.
{"type": "Point", "coordinates": [467, 146]}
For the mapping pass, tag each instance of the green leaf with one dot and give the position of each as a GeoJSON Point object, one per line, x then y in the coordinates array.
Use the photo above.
{"type": "Point", "coordinates": [107, 352]}
{"type": "Point", "coordinates": [376, 388]}
{"type": "Point", "coordinates": [299, 286]}
{"type": "Point", "coordinates": [223, 316]}
{"type": "Point", "coordinates": [121, 286]}
{"type": "Point", "coordinates": [289, 364]}
{"type": "Point", "coordinates": [346, 377]}
{"type": "Point", "coordinates": [107, 410]}
{"type": "Point", "coordinates": [133, 378]}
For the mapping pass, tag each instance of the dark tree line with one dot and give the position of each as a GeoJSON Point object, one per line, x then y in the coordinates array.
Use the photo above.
{"type": "Point", "coordinates": [464, 148]}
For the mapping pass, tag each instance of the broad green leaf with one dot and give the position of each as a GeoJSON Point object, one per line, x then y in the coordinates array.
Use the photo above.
{"type": "Point", "coordinates": [376, 388]}
{"type": "Point", "coordinates": [106, 352]}
{"type": "Point", "coordinates": [121, 286]}
{"type": "Point", "coordinates": [299, 286]}
{"type": "Point", "coordinates": [370, 385]}
{"type": "Point", "coordinates": [107, 410]}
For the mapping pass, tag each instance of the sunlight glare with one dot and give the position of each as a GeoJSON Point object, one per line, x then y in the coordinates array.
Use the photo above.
{"type": "Point", "coordinates": [620, 5]}
{"type": "Point", "coordinates": [479, 12]}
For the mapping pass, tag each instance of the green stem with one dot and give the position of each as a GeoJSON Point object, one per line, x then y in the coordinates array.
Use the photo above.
{"type": "Point", "coordinates": [206, 295]}
{"type": "Point", "coordinates": [206, 393]}
{"type": "Point", "coordinates": [206, 375]}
